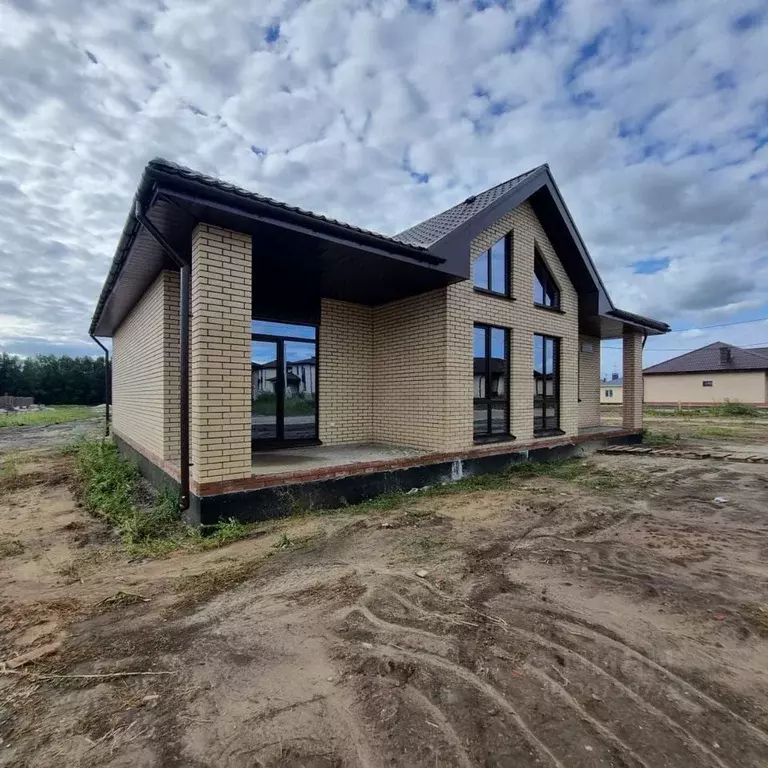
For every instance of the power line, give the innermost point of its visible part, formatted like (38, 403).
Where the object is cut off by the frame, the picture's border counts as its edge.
(719, 325)
(691, 349)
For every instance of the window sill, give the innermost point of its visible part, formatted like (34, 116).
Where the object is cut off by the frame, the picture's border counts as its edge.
(493, 439)
(556, 310)
(494, 294)
(549, 433)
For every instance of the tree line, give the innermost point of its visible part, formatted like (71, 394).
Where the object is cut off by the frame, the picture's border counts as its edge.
(54, 379)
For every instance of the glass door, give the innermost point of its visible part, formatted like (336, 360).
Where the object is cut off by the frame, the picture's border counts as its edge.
(283, 383)
(264, 389)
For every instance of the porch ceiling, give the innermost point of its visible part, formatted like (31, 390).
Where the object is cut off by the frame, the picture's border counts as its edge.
(297, 257)
(613, 324)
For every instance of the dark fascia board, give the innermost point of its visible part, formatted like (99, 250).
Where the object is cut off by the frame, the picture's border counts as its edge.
(228, 199)
(462, 237)
(654, 327)
(154, 181)
(128, 235)
(541, 177)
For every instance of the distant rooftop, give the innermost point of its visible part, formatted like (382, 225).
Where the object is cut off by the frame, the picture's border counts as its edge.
(718, 356)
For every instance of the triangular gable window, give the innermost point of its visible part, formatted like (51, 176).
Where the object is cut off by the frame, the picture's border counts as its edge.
(545, 290)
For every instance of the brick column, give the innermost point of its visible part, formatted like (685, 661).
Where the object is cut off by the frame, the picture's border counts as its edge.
(220, 355)
(632, 410)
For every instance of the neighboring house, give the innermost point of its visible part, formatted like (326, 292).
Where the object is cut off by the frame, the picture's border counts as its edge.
(712, 374)
(222, 277)
(300, 378)
(611, 392)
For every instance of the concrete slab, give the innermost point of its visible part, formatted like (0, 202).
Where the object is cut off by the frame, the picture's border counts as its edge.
(281, 460)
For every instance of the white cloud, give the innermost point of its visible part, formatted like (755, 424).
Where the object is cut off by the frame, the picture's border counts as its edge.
(653, 117)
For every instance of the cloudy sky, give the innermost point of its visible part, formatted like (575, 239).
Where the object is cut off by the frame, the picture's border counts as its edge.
(652, 115)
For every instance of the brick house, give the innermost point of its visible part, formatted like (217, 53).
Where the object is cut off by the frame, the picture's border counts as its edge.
(464, 343)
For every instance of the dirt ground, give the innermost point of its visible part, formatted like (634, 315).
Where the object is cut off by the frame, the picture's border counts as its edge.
(49, 435)
(562, 622)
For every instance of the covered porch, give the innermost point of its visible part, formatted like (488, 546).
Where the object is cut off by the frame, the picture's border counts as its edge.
(631, 332)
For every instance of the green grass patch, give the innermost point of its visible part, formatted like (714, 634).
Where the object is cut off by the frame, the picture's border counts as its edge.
(110, 487)
(651, 437)
(57, 415)
(580, 472)
(727, 410)
(715, 431)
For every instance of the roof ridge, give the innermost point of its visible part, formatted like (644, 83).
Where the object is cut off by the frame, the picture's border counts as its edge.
(752, 352)
(430, 228)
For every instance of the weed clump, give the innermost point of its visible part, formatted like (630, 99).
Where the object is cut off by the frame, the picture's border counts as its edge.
(110, 486)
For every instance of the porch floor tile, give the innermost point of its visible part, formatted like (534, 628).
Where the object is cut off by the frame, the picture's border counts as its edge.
(278, 461)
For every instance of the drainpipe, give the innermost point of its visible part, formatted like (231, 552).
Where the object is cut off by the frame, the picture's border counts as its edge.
(184, 273)
(107, 388)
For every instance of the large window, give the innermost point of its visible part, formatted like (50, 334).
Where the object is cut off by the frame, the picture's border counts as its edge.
(491, 272)
(283, 383)
(491, 374)
(545, 290)
(546, 384)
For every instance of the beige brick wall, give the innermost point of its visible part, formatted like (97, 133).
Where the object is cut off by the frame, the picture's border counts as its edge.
(523, 319)
(220, 355)
(345, 372)
(145, 371)
(172, 421)
(410, 352)
(589, 382)
(632, 384)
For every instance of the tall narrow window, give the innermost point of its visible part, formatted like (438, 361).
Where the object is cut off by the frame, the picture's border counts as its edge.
(545, 290)
(491, 268)
(491, 374)
(546, 384)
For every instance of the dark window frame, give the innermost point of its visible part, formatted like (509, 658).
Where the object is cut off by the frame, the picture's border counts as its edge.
(279, 440)
(543, 274)
(707, 383)
(507, 292)
(489, 436)
(546, 428)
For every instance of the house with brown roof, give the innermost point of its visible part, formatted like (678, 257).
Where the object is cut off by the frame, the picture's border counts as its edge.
(716, 373)
(468, 342)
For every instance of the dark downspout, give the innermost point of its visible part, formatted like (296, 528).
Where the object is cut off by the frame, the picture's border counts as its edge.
(107, 387)
(184, 276)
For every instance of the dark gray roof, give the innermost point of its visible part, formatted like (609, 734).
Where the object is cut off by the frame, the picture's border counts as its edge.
(174, 169)
(428, 232)
(759, 351)
(710, 358)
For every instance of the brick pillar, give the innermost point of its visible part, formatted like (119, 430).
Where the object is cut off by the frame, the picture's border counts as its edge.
(220, 355)
(632, 410)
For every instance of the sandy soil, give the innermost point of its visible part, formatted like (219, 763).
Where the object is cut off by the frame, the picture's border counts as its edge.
(48, 435)
(557, 624)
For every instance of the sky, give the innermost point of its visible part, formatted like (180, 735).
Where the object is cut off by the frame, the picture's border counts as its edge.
(653, 117)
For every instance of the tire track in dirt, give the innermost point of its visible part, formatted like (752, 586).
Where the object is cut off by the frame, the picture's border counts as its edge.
(601, 633)
(478, 683)
(681, 734)
(548, 682)
(437, 714)
(613, 638)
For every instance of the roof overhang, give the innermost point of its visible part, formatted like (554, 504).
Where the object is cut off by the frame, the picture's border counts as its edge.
(597, 314)
(296, 252)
